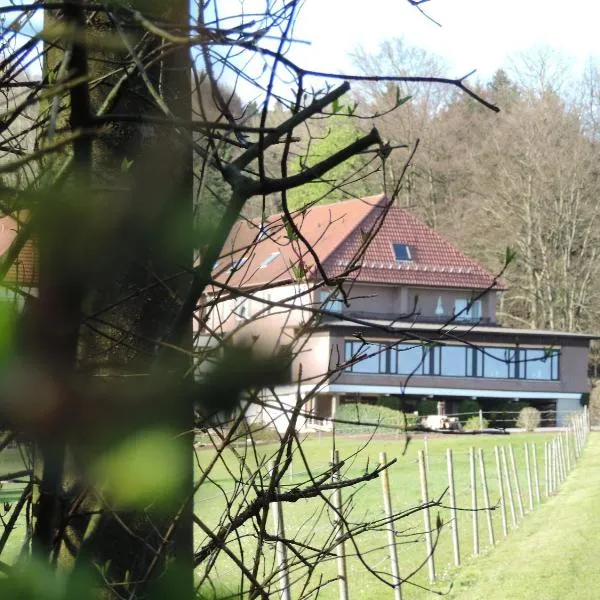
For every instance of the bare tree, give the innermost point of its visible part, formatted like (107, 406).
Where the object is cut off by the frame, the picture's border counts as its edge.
(136, 122)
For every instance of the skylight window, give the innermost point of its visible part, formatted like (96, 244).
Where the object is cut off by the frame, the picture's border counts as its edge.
(402, 252)
(238, 264)
(269, 259)
(262, 232)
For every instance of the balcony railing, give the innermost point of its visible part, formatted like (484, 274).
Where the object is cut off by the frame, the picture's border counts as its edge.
(418, 318)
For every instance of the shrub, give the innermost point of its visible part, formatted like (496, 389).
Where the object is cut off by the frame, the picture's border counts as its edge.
(427, 406)
(474, 424)
(529, 418)
(360, 414)
(468, 406)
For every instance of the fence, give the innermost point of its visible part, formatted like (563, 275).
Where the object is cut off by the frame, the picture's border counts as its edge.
(506, 419)
(521, 488)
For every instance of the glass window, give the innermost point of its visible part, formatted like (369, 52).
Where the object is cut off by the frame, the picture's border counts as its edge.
(460, 308)
(496, 362)
(467, 310)
(454, 361)
(402, 252)
(537, 364)
(269, 260)
(439, 309)
(474, 362)
(329, 302)
(431, 360)
(410, 359)
(367, 356)
(556, 365)
(238, 264)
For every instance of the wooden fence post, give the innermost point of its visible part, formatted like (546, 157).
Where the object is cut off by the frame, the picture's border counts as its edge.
(280, 547)
(529, 481)
(340, 549)
(536, 474)
(568, 450)
(547, 468)
(511, 501)
(391, 533)
(561, 454)
(453, 511)
(474, 515)
(513, 465)
(501, 490)
(552, 450)
(426, 517)
(486, 498)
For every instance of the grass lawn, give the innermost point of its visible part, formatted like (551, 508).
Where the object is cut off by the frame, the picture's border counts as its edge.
(553, 548)
(554, 555)
(310, 520)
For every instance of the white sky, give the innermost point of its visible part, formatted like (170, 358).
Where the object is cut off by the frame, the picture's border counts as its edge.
(475, 34)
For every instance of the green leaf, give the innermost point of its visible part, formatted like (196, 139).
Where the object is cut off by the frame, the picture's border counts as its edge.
(336, 106)
(126, 165)
(299, 271)
(147, 468)
(399, 99)
(292, 236)
(509, 255)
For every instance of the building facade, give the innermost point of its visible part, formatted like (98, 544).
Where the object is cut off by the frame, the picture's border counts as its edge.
(371, 302)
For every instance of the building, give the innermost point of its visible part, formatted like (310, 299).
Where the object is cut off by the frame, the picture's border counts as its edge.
(381, 306)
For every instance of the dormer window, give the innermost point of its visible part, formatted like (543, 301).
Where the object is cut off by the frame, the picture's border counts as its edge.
(402, 252)
(269, 260)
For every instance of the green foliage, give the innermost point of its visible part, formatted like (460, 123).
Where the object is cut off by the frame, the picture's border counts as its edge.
(128, 471)
(529, 418)
(474, 424)
(35, 580)
(467, 406)
(340, 133)
(364, 416)
(393, 402)
(7, 330)
(427, 406)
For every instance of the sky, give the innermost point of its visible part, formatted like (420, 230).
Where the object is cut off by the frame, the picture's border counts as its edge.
(474, 34)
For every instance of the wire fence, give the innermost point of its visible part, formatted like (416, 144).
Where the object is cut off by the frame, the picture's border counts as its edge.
(502, 488)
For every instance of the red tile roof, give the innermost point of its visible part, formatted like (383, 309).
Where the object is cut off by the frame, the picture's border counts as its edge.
(337, 233)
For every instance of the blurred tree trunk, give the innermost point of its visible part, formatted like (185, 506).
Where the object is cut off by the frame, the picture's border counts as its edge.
(117, 247)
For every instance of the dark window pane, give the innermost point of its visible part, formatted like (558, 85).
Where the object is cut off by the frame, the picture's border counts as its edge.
(402, 252)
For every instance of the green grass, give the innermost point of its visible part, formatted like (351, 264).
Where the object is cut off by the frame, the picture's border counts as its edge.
(555, 543)
(554, 554)
(309, 520)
